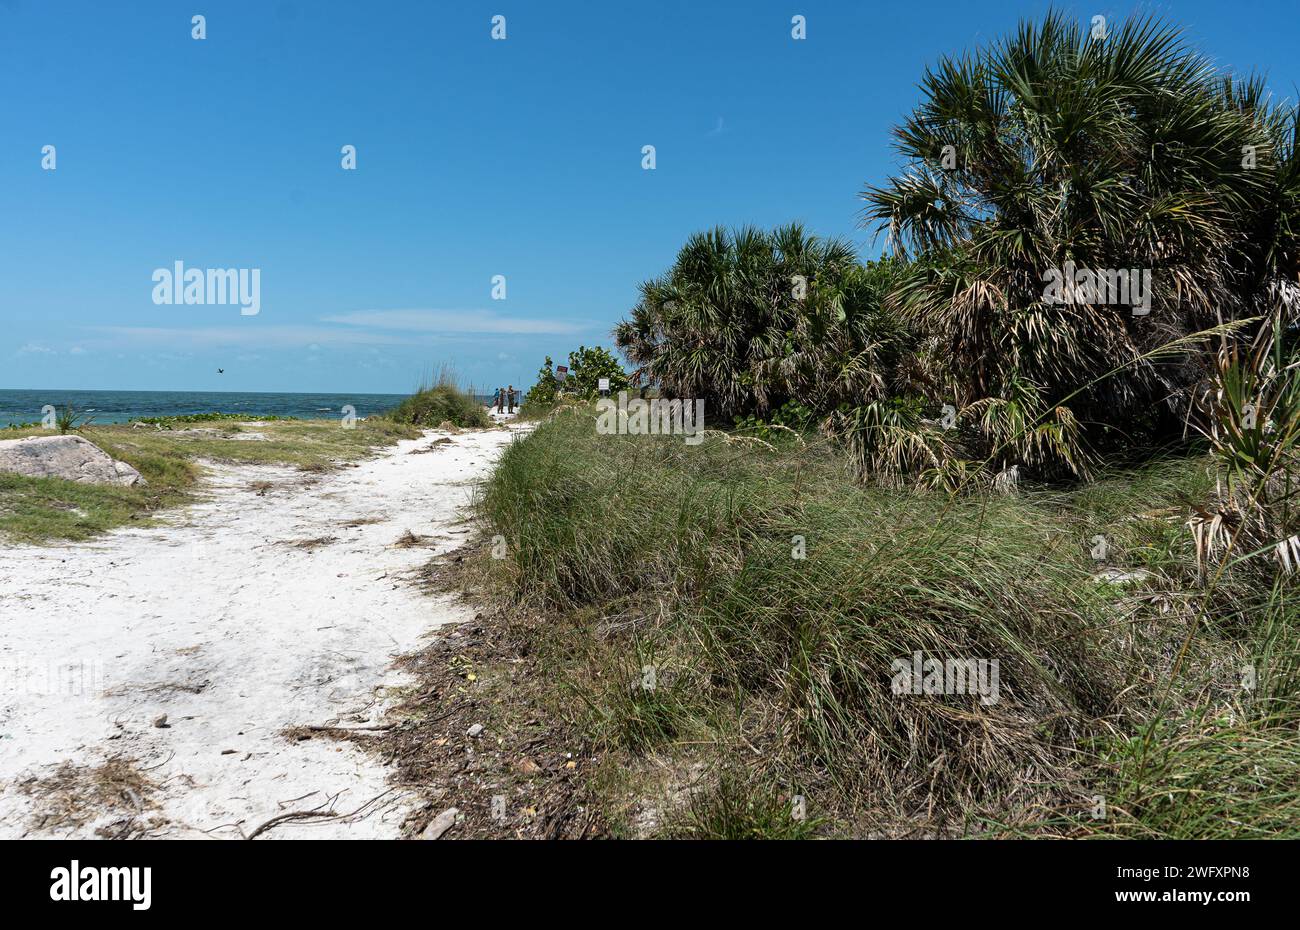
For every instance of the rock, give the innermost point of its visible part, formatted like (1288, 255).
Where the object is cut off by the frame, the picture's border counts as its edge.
(160, 722)
(69, 457)
(475, 730)
(440, 824)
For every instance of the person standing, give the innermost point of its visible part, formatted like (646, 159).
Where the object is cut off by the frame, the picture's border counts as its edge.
(496, 400)
(511, 398)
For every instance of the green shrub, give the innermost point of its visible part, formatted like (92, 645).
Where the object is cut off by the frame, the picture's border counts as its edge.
(586, 367)
(442, 402)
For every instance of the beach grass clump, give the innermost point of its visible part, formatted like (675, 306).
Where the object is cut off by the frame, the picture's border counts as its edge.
(781, 611)
(733, 807)
(441, 400)
(69, 419)
(1202, 777)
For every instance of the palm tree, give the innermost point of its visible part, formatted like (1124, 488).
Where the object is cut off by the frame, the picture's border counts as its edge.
(750, 319)
(1059, 145)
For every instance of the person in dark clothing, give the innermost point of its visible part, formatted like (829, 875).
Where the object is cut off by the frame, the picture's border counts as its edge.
(496, 400)
(511, 397)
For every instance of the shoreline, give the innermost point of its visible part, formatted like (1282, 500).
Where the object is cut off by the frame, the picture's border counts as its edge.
(22, 406)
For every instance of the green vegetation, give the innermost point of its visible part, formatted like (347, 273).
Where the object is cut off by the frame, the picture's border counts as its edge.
(214, 417)
(770, 596)
(439, 401)
(1057, 149)
(1043, 172)
(70, 420)
(1199, 778)
(734, 809)
(586, 368)
(40, 510)
(750, 320)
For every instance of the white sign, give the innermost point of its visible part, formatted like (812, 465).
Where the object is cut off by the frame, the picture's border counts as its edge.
(604, 384)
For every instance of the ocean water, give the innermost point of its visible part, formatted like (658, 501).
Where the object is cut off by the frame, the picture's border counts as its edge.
(124, 406)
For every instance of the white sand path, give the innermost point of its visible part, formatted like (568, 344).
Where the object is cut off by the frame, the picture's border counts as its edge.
(217, 621)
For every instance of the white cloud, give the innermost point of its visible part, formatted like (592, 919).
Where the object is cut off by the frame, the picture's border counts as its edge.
(457, 321)
(36, 348)
(357, 328)
(254, 336)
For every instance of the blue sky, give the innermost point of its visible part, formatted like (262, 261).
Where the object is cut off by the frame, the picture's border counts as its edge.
(475, 158)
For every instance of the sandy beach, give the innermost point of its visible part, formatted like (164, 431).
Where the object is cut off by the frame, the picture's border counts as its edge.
(147, 677)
